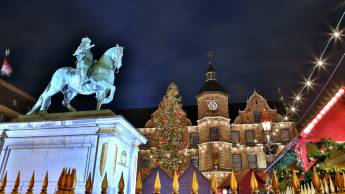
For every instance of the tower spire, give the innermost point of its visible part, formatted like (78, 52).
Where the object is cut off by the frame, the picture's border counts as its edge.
(210, 57)
(211, 73)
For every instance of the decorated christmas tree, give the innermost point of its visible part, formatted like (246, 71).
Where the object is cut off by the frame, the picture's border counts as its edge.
(170, 122)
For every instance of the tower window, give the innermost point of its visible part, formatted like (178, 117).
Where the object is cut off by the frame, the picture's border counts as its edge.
(236, 162)
(250, 136)
(194, 160)
(214, 134)
(257, 117)
(235, 137)
(252, 160)
(194, 138)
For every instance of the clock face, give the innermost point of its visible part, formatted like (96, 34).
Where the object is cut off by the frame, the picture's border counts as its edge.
(212, 105)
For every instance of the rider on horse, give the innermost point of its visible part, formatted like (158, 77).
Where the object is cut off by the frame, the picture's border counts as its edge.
(84, 58)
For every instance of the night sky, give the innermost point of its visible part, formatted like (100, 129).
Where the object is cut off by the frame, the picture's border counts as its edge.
(264, 45)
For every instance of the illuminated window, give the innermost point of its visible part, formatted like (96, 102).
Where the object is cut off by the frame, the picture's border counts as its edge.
(235, 137)
(194, 160)
(236, 162)
(194, 138)
(250, 136)
(214, 134)
(285, 136)
(252, 160)
(257, 117)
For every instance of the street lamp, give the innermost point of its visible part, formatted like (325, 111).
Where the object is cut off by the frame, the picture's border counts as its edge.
(266, 124)
(270, 148)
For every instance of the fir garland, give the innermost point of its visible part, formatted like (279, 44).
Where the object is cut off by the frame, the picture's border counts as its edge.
(325, 148)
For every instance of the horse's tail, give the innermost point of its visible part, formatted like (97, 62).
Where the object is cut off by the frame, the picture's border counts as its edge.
(39, 101)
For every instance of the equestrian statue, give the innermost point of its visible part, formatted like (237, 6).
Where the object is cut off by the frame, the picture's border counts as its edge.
(89, 77)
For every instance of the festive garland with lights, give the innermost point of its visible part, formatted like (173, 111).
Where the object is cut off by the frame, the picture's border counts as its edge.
(325, 148)
(283, 167)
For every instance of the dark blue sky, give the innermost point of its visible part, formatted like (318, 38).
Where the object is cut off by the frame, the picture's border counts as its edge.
(257, 44)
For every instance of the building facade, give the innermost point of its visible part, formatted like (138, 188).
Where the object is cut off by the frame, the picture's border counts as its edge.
(13, 102)
(216, 144)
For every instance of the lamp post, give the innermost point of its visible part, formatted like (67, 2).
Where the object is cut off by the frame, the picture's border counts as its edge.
(270, 148)
(266, 124)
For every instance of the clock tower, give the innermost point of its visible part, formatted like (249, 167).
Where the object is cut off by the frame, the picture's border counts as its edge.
(212, 99)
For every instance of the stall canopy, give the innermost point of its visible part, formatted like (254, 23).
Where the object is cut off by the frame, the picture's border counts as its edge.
(243, 180)
(149, 180)
(186, 180)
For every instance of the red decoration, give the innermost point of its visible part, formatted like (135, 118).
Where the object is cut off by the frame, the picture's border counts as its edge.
(6, 68)
(329, 123)
(265, 116)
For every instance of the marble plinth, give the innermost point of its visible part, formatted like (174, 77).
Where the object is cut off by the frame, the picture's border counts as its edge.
(95, 142)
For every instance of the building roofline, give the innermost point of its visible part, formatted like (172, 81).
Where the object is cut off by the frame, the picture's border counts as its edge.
(17, 90)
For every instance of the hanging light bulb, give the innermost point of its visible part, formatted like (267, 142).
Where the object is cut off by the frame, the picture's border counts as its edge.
(320, 63)
(336, 34)
(293, 109)
(298, 98)
(308, 83)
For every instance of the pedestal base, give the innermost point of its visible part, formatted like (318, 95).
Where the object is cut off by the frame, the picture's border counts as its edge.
(93, 142)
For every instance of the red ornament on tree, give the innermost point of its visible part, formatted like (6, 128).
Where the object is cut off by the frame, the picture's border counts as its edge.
(6, 68)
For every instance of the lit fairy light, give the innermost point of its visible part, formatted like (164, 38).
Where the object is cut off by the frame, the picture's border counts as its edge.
(293, 109)
(286, 118)
(298, 98)
(308, 83)
(320, 63)
(336, 34)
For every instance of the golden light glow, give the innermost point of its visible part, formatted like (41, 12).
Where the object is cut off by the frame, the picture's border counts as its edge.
(293, 109)
(336, 34)
(298, 98)
(320, 63)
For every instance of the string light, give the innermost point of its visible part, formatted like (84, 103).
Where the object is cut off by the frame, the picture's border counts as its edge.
(336, 34)
(298, 98)
(308, 83)
(319, 63)
(293, 109)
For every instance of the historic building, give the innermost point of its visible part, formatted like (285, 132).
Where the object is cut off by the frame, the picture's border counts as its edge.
(216, 143)
(13, 101)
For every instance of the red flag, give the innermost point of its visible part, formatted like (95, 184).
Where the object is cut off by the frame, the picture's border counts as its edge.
(6, 68)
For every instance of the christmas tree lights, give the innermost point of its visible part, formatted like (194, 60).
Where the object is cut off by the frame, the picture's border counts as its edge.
(170, 122)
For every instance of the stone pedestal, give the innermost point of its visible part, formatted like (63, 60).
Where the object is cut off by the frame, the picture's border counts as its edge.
(95, 142)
